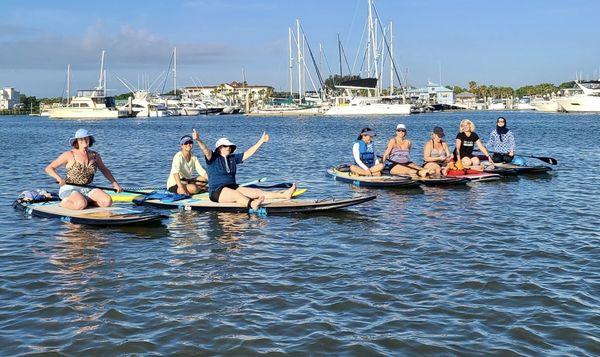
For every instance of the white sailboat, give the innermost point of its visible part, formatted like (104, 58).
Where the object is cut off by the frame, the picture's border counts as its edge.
(89, 104)
(353, 102)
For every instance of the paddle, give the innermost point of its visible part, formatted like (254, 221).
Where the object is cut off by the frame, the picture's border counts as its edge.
(548, 160)
(107, 188)
(278, 185)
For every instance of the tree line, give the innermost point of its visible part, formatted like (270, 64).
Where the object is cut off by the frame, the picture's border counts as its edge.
(492, 91)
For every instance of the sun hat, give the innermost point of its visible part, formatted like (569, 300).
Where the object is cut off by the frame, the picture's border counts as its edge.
(225, 142)
(438, 131)
(184, 139)
(80, 134)
(400, 127)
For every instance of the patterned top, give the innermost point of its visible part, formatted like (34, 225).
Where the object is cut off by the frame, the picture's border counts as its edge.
(82, 174)
(503, 146)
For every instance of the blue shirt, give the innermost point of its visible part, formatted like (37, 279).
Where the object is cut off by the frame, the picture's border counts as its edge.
(221, 171)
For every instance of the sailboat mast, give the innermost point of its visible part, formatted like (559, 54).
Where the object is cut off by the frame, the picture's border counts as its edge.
(369, 39)
(101, 70)
(299, 51)
(68, 83)
(291, 63)
(104, 83)
(391, 59)
(175, 70)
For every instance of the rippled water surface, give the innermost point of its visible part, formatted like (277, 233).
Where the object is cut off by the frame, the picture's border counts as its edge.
(495, 268)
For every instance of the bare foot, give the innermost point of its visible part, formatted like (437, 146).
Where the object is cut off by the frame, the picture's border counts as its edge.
(255, 204)
(423, 173)
(290, 191)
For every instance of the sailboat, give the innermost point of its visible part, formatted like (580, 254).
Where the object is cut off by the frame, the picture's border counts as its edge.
(354, 102)
(89, 103)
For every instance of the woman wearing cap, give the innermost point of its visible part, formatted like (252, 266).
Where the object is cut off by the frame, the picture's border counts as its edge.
(221, 165)
(397, 156)
(81, 164)
(437, 153)
(502, 142)
(466, 140)
(363, 151)
(184, 163)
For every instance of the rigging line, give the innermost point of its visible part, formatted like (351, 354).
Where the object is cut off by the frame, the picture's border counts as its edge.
(345, 58)
(312, 57)
(387, 45)
(358, 49)
(162, 91)
(155, 80)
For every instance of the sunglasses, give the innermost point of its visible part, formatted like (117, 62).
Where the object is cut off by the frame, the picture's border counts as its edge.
(188, 143)
(404, 130)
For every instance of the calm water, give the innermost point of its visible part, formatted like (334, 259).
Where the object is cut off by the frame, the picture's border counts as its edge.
(496, 268)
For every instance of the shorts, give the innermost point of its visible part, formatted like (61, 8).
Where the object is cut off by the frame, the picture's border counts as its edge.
(172, 189)
(214, 196)
(498, 157)
(66, 190)
(389, 165)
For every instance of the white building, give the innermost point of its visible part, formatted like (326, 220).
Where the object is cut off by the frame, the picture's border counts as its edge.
(432, 94)
(233, 92)
(9, 98)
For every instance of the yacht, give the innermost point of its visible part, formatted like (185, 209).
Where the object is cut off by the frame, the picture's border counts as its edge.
(352, 104)
(587, 101)
(89, 104)
(143, 106)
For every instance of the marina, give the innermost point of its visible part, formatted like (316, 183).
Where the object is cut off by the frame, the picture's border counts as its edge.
(366, 178)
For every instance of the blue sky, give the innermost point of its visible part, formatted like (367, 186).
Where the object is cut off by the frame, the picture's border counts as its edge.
(492, 42)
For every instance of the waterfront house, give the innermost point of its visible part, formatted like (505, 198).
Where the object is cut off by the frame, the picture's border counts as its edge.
(432, 94)
(466, 100)
(9, 98)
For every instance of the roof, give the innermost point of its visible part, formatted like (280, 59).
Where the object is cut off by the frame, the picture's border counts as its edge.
(465, 95)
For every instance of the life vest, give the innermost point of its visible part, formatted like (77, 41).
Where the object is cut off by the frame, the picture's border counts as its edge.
(367, 152)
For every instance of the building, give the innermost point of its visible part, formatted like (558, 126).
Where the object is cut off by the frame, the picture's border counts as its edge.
(432, 94)
(466, 100)
(235, 92)
(9, 98)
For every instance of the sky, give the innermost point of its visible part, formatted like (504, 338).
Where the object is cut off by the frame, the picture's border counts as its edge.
(504, 43)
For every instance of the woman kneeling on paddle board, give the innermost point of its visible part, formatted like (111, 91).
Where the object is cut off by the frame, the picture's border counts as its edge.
(436, 152)
(222, 167)
(363, 151)
(466, 140)
(184, 163)
(81, 164)
(502, 142)
(397, 156)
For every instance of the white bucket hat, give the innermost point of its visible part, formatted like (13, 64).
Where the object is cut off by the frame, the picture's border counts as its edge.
(80, 134)
(225, 142)
(400, 127)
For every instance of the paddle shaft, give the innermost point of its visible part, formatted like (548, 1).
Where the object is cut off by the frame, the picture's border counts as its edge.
(548, 160)
(107, 188)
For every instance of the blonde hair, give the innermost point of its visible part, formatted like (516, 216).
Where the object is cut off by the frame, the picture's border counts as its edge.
(467, 121)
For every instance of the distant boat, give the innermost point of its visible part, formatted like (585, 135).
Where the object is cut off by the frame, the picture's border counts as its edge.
(90, 104)
(588, 101)
(353, 104)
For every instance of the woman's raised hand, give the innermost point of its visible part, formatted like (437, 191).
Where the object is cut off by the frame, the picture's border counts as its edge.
(195, 134)
(265, 137)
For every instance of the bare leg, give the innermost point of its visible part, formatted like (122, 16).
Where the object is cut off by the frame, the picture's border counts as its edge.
(100, 198)
(434, 166)
(410, 169)
(228, 196)
(255, 192)
(357, 170)
(75, 201)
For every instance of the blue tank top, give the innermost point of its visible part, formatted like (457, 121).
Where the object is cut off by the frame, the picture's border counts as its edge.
(367, 152)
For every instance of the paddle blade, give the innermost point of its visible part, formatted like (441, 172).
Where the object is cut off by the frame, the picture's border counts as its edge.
(549, 160)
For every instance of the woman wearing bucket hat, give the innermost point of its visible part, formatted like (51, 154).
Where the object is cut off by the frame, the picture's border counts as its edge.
(363, 151)
(221, 165)
(81, 164)
(397, 156)
(181, 178)
(436, 152)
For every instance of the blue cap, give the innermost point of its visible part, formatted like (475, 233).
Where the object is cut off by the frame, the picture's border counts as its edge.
(184, 139)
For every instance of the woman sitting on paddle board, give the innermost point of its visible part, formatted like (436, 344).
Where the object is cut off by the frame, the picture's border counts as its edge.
(81, 164)
(466, 140)
(502, 142)
(397, 156)
(437, 153)
(184, 163)
(363, 151)
(222, 167)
